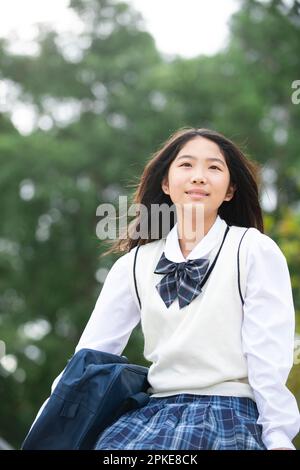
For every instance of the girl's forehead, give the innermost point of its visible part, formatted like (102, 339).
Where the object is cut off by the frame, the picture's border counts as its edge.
(199, 146)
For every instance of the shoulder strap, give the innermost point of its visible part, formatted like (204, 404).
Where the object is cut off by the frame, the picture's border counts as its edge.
(215, 260)
(134, 277)
(238, 266)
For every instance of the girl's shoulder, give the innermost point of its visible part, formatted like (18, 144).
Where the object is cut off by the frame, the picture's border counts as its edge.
(148, 247)
(126, 257)
(258, 243)
(125, 260)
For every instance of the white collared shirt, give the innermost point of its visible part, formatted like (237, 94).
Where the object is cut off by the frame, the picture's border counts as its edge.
(267, 332)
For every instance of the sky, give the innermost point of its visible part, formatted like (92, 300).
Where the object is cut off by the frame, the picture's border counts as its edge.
(185, 27)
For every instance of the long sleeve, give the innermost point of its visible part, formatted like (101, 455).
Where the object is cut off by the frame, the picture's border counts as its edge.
(268, 340)
(115, 315)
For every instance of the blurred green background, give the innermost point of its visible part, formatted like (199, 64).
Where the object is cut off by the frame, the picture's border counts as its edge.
(104, 101)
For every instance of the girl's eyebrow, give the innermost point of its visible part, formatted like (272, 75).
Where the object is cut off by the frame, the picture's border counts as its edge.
(207, 159)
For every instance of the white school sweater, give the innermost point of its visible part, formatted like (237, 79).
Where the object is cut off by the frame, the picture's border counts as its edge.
(196, 349)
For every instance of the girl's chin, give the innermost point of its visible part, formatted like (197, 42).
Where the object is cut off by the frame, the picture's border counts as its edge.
(194, 204)
(191, 208)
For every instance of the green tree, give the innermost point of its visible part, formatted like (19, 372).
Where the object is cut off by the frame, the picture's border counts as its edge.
(103, 100)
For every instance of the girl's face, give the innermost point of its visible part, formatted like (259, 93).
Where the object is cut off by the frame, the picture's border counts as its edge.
(199, 175)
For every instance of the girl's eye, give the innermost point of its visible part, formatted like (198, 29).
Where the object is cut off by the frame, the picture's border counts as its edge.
(212, 166)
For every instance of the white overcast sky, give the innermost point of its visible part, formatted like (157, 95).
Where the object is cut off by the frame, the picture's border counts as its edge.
(185, 27)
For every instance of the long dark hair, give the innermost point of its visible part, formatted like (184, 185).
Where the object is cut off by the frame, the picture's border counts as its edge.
(243, 209)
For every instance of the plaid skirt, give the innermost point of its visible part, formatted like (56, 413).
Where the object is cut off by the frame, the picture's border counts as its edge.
(186, 422)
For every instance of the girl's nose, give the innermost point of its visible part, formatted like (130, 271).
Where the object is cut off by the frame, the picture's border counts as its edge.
(198, 178)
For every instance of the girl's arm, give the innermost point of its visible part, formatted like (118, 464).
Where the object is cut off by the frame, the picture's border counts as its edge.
(268, 340)
(115, 314)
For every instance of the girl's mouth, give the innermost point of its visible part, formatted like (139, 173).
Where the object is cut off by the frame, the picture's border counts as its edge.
(197, 195)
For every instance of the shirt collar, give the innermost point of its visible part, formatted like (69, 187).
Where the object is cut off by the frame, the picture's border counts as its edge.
(209, 241)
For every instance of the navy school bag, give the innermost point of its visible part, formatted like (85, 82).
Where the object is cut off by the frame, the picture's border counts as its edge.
(94, 390)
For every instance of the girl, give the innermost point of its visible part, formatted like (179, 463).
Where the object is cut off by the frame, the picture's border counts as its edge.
(216, 308)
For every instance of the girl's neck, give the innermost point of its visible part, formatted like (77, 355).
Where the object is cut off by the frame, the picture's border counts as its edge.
(188, 239)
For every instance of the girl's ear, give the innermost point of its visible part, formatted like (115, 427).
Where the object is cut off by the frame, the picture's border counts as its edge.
(230, 192)
(165, 185)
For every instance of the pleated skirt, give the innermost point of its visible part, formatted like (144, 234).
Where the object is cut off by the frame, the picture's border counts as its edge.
(186, 422)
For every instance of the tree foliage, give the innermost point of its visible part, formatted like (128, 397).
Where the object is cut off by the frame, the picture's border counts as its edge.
(102, 101)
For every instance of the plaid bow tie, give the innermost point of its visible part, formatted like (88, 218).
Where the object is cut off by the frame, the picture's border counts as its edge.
(181, 279)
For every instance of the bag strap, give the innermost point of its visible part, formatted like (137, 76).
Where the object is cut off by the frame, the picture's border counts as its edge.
(134, 276)
(238, 266)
